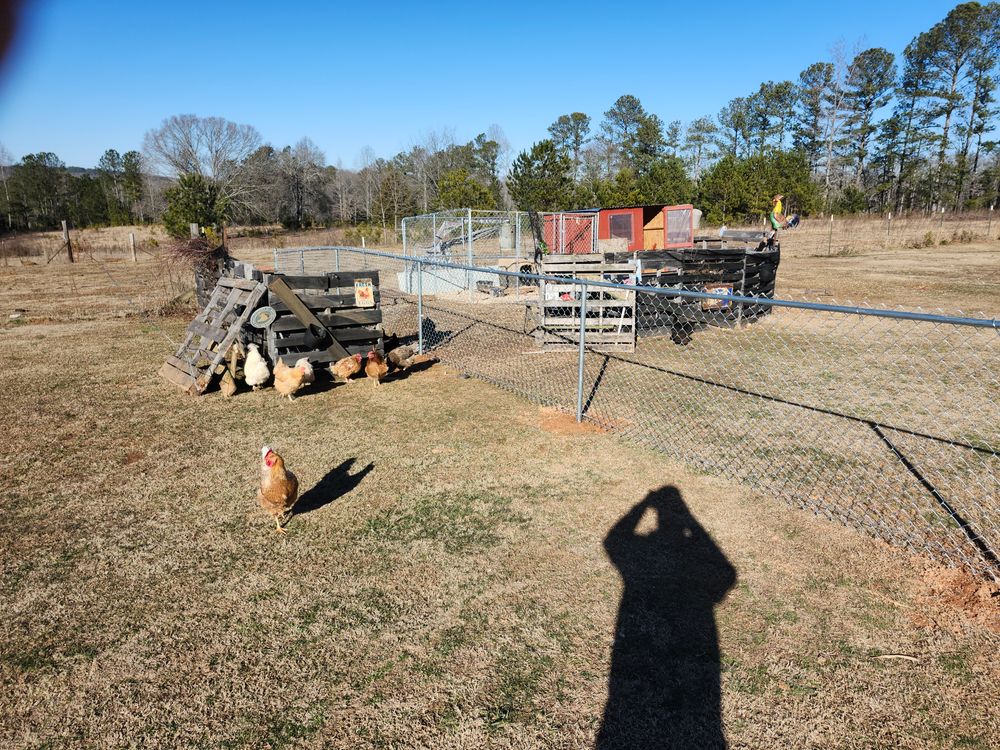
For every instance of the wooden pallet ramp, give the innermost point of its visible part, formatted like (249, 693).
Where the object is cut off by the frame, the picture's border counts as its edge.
(212, 333)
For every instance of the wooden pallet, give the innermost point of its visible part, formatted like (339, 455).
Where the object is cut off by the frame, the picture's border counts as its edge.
(329, 299)
(610, 322)
(211, 333)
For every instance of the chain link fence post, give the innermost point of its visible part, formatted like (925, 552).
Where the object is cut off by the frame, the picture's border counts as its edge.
(420, 307)
(468, 274)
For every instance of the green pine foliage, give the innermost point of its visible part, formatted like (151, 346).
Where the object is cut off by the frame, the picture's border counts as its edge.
(193, 200)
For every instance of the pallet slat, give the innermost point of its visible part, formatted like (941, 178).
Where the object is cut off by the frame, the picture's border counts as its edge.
(343, 335)
(322, 301)
(360, 316)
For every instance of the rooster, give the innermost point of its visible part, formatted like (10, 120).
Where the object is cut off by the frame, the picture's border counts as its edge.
(344, 368)
(376, 368)
(288, 380)
(255, 370)
(279, 488)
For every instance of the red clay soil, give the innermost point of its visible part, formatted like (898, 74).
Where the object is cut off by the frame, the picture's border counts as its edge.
(952, 597)
(560, 423)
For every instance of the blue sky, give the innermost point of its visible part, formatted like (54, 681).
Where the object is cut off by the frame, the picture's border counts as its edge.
(87, 76)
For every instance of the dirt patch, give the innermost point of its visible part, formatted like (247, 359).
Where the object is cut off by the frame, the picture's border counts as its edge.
(560, 423)
(953, 597)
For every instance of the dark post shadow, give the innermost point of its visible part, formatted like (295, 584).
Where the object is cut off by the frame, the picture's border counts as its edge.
(664, 684)
(337, 483)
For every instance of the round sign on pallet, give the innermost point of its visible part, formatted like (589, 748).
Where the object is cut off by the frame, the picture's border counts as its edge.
(263, 317)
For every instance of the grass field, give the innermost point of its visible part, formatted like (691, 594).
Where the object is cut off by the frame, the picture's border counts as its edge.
(465, 570)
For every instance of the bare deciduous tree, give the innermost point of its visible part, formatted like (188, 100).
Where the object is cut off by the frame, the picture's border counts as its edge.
(212, 147)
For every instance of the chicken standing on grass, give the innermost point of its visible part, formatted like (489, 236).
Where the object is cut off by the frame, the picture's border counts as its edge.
(279, 488)
(375, 368)
(344, 368)
(288, 380)
(255, 370)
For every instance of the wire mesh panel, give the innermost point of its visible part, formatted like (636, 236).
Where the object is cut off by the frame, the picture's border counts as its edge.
(884, 420)
(570, 233)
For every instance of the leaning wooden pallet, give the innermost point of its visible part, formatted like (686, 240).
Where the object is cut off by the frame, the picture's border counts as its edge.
(212, 333)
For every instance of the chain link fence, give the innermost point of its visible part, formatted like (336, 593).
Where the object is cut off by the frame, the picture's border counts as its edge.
(469, 236)
(885, 420)
(838, 236)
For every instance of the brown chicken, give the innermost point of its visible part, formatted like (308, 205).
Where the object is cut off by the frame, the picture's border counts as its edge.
(288, 380)
(401, 358)
(344, 368)
(376, 368)
(279, 488)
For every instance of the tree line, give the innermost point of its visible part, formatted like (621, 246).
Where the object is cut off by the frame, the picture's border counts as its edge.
(860, 132)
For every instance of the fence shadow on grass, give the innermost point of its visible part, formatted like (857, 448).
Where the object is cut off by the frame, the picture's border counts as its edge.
(664, 684)
(337, 483)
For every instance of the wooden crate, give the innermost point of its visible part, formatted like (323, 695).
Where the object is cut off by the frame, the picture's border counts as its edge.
(610, 322)
(330, 297)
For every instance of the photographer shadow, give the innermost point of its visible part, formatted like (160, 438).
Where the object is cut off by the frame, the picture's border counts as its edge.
(664, 683)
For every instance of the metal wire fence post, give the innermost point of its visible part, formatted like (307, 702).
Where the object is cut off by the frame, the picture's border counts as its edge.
(403, 229)
(468, 274)
(302, 261)
(420, 307)
(517, 234)
(583, 346)
(336, 252)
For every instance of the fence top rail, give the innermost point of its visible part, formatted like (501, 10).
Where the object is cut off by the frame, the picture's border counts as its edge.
(456, 213)
(993, 323)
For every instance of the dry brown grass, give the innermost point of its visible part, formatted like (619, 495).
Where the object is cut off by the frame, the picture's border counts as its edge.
(447, 587)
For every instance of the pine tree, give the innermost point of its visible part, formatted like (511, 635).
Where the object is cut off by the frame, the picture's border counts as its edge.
(807, 130)
(539, 179)
(570, 134)
(868, 88)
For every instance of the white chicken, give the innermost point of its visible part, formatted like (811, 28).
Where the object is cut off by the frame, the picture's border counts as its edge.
(307, 369)
(255, 370)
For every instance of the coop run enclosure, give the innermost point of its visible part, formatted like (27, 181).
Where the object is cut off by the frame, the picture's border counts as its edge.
(884, 420)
